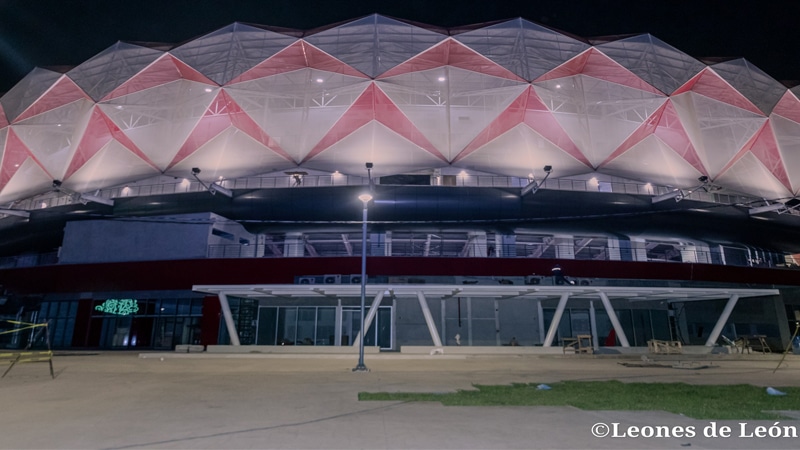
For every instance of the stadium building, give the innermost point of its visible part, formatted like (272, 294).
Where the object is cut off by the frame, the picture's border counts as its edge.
(209, 192)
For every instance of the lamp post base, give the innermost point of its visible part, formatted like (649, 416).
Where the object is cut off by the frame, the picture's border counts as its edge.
(360, 368)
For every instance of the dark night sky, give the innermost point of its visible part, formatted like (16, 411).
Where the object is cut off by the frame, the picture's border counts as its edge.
(48, 33)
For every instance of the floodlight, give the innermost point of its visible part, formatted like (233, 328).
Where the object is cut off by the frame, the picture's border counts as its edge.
(534, 185)
(369, 165)
(212, 188)
(365, 198)
(677, 194)
(767, 208)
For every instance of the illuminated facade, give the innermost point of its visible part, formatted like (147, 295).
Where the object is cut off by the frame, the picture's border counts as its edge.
(650, 153)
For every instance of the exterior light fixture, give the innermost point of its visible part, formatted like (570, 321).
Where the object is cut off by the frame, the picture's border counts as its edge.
(83, 198)
(534, 185)
(212, 188)
(365, 199)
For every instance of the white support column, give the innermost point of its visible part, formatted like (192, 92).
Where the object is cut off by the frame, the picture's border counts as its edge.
(423, 303)
(293, 245)
(612, 316)
(593, 325)
(469, 321)
(337, 332)
(540, 319)
(226, 313)
(551, 332)
(373, 310)
(565, 247)
(723, 318)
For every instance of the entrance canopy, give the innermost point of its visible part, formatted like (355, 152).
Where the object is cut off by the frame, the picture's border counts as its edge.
(499, 292)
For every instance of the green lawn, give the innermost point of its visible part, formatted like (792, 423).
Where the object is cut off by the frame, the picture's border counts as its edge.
(716, 402)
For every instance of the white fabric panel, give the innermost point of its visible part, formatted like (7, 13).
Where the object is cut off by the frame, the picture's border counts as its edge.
(298, 108)
(159, 120)
(52, 136)
(112, 67)
(717, 130)
(374, 44)
(231, 154)
(29, 180)
(787, 134)
(520, 152)
(661, 65)
(228, 52)
(653, 161)
(389, 152)
(596, 114)
(475, 100)
(749, 175)
(113, 164)
(24, 93)
(524, 48)
(761, 89)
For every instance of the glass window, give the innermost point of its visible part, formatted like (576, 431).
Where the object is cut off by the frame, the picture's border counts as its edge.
(326, 326)
(287, 326)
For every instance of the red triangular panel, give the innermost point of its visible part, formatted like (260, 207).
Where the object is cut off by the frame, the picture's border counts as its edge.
(664, 124)
(595, 64)
(373, 104)
(764, 147)
(528, 109)
(100, 130)
(297, 56)
(453, 53)
(14, 155)
(711, 85)
(63, 92)
(789, 107)
(162, 71)
(220, 115)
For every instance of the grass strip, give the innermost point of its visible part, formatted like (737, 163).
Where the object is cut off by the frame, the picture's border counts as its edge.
(709, 402)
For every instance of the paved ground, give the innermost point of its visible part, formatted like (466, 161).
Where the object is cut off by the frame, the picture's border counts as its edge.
(124, 401)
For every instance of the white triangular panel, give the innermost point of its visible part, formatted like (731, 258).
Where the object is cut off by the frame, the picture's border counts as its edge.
(520, 152)
(297, 108)
(231, 154)
(653, 161)
(29, 180)
(469, 99)
(596, 114)
(389, 152)
(160, 119)
(113, 164)
(717, 130)
(787, 134)
(749, 175)
(51, 136)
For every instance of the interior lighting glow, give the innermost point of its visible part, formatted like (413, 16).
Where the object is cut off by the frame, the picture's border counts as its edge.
(207, 89)
(441, 78)
(126, 190)
(43, 205)
(320, 80)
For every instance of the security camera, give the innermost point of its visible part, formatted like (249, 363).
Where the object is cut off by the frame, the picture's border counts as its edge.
(195, 170)
(369, 165)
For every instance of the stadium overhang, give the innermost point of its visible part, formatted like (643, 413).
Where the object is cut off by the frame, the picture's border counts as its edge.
(422, 292)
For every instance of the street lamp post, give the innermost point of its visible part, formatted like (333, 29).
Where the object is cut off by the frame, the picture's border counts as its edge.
(365, 198)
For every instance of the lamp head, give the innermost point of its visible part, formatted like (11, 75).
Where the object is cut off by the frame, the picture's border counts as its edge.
(369, 165)
(703, 179)
(548, 169)
(56, 183)
(195, 170)
(365, 198)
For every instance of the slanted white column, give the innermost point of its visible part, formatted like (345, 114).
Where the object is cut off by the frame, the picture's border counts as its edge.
(551, 332)
(723, 318)
(612, 316)
(593, 325)
(423, 304)
(373, 310)
(226, 313)
(540, 319)
(337, 332)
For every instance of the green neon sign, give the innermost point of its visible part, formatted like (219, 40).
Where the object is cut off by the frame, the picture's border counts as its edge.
(120, 307)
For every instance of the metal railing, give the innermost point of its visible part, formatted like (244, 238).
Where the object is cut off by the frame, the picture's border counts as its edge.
(183, 186)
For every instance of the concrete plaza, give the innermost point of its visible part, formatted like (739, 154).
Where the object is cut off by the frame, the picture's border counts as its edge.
(122, 400)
